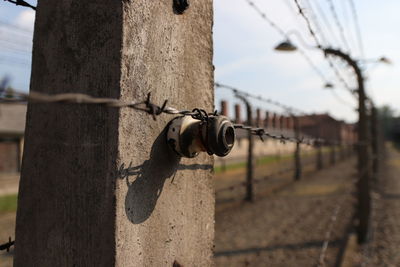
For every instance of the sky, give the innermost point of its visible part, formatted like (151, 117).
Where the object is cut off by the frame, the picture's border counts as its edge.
(244, 55)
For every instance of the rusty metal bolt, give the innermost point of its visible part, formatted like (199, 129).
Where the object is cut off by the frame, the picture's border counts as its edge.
(188, 136)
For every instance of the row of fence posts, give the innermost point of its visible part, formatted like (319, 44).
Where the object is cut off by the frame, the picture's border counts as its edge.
(294, 125)
(368, 146)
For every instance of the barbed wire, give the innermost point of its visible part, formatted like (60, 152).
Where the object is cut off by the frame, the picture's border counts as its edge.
(290, 110)
(267, 19)
(357, 26)
(6, 246)
(145, 106)
(315, 20)
(21, 3)
(287, 108)
(338, 24)
(261, 132)
(285, 35)
(338, 75)
(319, 46)
(308, 22)
(325, 20)
(77, 98)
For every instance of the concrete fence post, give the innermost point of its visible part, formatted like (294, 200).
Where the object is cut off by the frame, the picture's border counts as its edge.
(100, 186)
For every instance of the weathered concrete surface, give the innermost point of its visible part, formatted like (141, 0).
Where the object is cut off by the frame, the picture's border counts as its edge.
(74, 208)
(165, 212)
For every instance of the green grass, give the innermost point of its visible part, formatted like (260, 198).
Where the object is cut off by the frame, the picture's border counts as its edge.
(259, 161)
(270, 159)
(266, 160)
(8, 203)
(230, 167)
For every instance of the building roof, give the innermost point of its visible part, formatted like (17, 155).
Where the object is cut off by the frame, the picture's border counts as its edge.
(12, 120)
(313, 119)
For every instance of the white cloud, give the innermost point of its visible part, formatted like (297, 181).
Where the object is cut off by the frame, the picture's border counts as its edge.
(26, 19)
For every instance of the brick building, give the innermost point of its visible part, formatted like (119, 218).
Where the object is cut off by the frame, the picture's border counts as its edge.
(325, 127)
(12, 126)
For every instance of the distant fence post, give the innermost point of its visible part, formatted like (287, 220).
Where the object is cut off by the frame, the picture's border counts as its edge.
(297, 159)
(333, 153)
(266, 120)
(274, 121)
(258, 118)
(318, 155)
(374, 141)
(342, 148)
(249, 170)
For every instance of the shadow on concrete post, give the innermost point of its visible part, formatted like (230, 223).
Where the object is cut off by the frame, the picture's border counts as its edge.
(147, 186)
(146, 181)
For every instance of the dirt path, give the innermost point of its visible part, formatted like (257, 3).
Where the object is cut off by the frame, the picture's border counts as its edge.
(7, 229)
(9, 184)
(289, 228)
(384, 247)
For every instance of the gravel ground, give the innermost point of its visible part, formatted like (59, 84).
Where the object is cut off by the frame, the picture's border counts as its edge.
(384, 246)
(270, 177)
(288, 228)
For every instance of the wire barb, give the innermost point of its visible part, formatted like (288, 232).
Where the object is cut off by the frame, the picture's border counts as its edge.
(319, 46)
(153, 109)
(236, 91)
(76, 98)
(338, 24)
(261, 132)
(21, 3)
(286, 36)
(6, 246)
